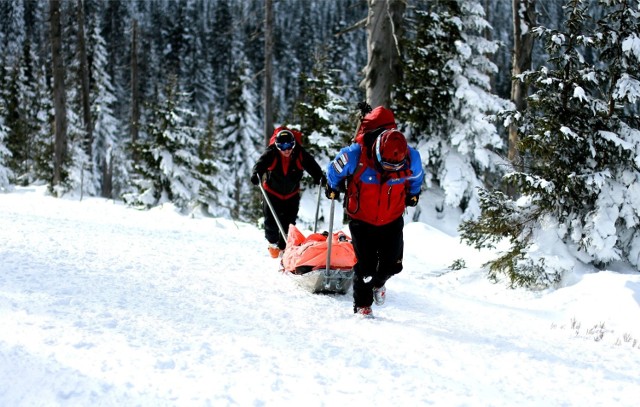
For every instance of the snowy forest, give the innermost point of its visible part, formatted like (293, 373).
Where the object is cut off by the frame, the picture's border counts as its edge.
(526, 112)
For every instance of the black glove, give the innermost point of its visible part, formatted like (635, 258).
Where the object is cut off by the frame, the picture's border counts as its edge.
(412, 200)
(255, 178)
(320, 181)
(331, 193)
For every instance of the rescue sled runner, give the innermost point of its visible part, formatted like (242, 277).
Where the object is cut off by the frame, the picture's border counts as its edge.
(305, 259)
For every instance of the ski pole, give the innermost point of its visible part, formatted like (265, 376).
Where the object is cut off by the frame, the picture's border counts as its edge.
(315, 225)
(330, 237)
(273, 211)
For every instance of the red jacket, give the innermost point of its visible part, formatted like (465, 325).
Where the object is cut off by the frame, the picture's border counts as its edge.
(376, 197)
(283, 178)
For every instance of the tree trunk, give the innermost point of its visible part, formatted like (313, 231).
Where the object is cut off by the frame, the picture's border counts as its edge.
(107, 176)
(268, 70)
(135, 98)
(524, 18)
(59, 98)
(84, 80)
(383, 65)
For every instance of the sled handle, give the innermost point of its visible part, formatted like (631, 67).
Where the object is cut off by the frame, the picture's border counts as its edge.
(330, 237)
(315, 225)
(273, 211)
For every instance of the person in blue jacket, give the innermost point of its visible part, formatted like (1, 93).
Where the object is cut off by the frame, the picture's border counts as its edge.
(383, 176)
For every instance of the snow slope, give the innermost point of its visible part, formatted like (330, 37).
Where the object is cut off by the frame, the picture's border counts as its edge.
(101, 305)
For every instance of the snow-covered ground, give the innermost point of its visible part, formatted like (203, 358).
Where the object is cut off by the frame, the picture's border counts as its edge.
(101, 305)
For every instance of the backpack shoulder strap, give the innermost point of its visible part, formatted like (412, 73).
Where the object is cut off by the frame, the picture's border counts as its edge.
(297, 157)
(274, 161)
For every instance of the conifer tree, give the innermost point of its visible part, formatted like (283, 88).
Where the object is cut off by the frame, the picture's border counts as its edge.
(241, 140)
(14, 89)
(34, 100)
(168, 161)
(81, 177)
(15, 34)
(116, 23)
(580, 183)
(17, 120)
(220, 37)
(42, 127)
(207, 169)
(445, 98)
(323, 114)
(106, 149)
(79, 174)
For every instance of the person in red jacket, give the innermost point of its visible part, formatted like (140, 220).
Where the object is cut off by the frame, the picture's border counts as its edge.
(280, 168)
(383, 176)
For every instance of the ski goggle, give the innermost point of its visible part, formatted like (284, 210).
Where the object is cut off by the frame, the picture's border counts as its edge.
(286, 145)
(389, 166)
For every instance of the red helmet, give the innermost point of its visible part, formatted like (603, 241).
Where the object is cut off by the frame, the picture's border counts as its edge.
(391, 150)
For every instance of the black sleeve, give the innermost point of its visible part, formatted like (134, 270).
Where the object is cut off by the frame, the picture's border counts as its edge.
(264, 162)
(310, 165)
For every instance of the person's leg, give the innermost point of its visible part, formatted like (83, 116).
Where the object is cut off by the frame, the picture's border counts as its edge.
(288, 214)
(390, 251)
(364, 245)
(271, 231)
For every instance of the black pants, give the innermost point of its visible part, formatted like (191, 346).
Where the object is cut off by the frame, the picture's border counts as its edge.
(287, 211)
(379, 251)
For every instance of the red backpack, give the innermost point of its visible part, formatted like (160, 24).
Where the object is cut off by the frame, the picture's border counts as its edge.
(373, 123)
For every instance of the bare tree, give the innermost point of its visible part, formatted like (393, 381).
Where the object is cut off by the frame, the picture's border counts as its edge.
(268, 70)
(383, 64)
(59, 98)
(524, 18)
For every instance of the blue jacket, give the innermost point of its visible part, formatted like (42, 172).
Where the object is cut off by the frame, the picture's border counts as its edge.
(373, 195)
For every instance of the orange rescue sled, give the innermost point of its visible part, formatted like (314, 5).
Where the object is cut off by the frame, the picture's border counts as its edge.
(305, 258)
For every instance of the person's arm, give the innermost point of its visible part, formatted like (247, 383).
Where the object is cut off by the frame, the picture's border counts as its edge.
(263, 163)
(417, 173)
(311, 166)
(343, 165)
(261, 166)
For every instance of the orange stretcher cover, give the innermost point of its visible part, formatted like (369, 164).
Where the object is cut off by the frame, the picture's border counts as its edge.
(310, 253)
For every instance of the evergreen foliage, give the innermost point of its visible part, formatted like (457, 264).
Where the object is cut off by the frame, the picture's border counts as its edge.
(445, 98)
(42, 127)
(168, 159)
(434, 33)
(220, 37)
(241, 142)
(582, 151)
(207, 171)
(323, 114)
(106, 149)
(16, 94)
(195, 41)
